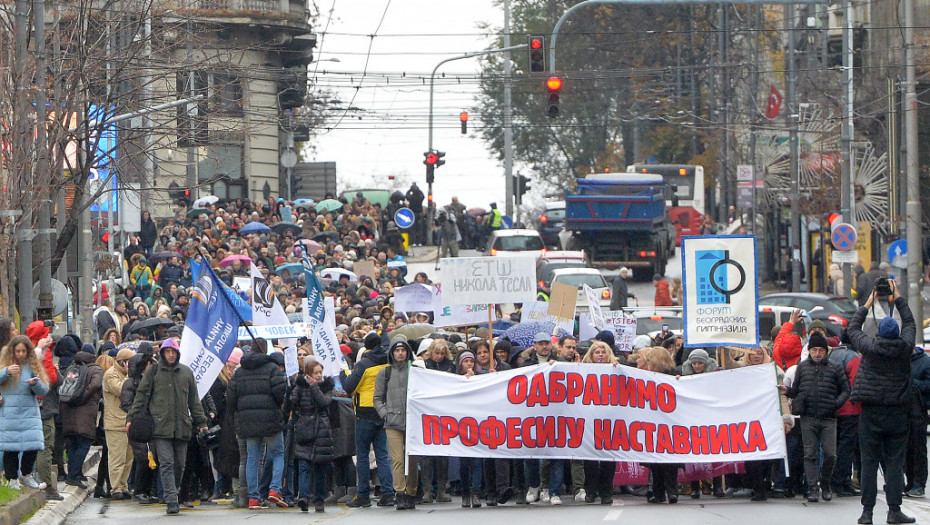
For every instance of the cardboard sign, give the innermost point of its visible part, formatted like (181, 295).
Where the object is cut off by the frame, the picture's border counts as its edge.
(488, 280)
(562, 300)
(365, 268)
(622, 325)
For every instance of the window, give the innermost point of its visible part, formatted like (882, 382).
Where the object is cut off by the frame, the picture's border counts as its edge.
(222, 94)
(226, 94)
(518, 243)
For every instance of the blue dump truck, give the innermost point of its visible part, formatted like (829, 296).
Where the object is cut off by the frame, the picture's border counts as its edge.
(620, 219)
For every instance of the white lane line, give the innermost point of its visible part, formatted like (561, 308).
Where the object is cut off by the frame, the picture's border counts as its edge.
(613, 515)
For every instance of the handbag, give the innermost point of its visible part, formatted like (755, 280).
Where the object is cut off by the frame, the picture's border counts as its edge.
(142, 429)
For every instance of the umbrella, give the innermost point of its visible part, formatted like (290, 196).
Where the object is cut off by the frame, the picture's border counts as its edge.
(328, 205)
(254, 227)
(523, 333)
(195, 212)
(205, 201)
(476, 211)
(312, 246)
(414, 330)
(325, 236)
(502, 325)
(235, 257)
(159, 256)
(131, 345)
(307, 204)
(293, 268)
(151, 322)
(304, 201)
(283, 227)
(334, 273)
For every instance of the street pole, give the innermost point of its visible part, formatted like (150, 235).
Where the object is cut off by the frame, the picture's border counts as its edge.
(25, 231)
(847, 189)
(43, 167)
(794, 239)
(912, 207)
(508, 117)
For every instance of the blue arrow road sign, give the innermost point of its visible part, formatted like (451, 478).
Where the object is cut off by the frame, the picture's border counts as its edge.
(404, 218)
(897, 253)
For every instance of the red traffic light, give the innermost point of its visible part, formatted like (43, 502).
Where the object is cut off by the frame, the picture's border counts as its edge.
(431, 159)
(463, 116)
(536, 43)
(554, 83)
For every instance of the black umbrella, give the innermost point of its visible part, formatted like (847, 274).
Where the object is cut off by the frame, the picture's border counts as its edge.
(151, 322)
(282, 227)
(324, 237)
(159, 256)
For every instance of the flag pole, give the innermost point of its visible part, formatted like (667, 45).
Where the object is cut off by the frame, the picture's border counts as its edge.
(205, 264)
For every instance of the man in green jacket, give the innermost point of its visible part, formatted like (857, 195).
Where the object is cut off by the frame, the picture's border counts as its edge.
(169, 391)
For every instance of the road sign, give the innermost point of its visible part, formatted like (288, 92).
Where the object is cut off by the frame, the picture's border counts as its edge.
(506, 222)
(843, 237)
(404, 218)
(897, 253)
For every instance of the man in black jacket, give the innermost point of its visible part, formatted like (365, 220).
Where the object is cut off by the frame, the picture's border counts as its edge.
(915, 464)
(819, 389)
(883, 387)
(256, 395)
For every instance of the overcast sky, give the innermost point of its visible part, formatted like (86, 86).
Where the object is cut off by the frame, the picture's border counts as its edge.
(384, 131)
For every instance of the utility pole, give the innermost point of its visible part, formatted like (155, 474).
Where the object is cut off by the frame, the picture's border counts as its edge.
(508, 117)
(43, 167)
(847, 133)
(794, 238)
(912, 207)
(22, 189)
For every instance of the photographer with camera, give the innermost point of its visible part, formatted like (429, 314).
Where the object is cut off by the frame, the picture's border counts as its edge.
(448, 235)
(883, 387)
(881, 307)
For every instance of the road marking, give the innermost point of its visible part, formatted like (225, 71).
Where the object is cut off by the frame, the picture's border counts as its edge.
(613, 515)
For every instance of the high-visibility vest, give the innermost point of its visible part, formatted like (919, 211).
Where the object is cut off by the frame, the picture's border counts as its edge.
(496, 218)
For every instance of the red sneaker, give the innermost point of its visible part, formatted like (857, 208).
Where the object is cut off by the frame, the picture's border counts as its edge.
(255, 504)
(275, 498)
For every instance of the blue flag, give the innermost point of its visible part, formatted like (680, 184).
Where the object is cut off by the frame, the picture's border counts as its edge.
(314, 289)
(210, 330)
(242, 306)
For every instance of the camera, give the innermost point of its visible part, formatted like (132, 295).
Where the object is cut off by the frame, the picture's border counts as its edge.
(882, 287)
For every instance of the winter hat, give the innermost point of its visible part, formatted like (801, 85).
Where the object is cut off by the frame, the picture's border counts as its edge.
(817, 340)
(465, 355)
(346, 349)
(817, 323)
(277, 358)
(888, 328)
(170, 343)
(235, 356)
(541, 337)
(36, 331)
(124, 354)
(606, 336)
(372, 340)
(89, 348)
(699, 355)
(107, 347)
(424, 346)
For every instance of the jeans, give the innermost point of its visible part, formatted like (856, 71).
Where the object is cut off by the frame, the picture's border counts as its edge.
(274, 453)
(13, 466)
(77, 448)
(437, 466)
(370, 433)
(471, 475)
(915, 465)
(883, 435)
(172, 454)
(847, 439)
(819, 434)
(313, 478)
(531, 469)
(496, 477)
(556, 476)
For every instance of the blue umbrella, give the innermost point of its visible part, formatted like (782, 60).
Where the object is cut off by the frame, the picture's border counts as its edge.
(523, 333)
(295, 269)
(502, 324)
(254, 227)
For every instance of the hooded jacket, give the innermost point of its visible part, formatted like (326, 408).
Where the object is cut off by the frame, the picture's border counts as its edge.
(920, 377)
(170, 392)
(256, 396)
(81, 420)
(360, 384)
(819, 389)
(663, 295)
(390, 397)
(114, 417)
(311, 406)
(20, 422)
(36, 331)
(885, 370)
(137, 364)
(788, 347)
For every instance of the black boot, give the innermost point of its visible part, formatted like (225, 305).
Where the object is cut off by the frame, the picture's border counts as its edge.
(401, 501)
(466, 499)
(896, 516)
(411, 502)
(866, 517)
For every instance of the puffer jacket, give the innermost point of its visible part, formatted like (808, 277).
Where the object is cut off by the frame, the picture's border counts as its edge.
(311, 405)
(818, 389)
(170, 392)
(446, 365)
(256, 395)
(884, 376)
(127, 394)
(788, 347)
(20, 421)
(81, 420)
(391, 393)
(114, 417)
(360, 384)
(920, 377)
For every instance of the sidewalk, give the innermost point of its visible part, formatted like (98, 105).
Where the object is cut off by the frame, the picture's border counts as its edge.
(56, 512)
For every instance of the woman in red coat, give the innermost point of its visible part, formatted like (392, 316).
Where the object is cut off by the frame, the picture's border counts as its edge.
(663, 296)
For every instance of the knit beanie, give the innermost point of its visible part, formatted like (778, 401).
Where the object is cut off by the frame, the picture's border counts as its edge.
(817, 340)
(888, 328)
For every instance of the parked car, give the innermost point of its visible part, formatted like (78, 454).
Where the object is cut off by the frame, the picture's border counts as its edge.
(551, 223)
(772, 316)
(651, 322)
(553, 260)
(581, 276)
(513, 242)
(833, 310)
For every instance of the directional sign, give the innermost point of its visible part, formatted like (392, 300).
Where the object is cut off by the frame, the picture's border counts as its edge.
(897, 253)
(506, 222)
(843, 237)
(404, 218)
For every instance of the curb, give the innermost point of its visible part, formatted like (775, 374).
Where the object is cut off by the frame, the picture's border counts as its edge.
(26, 503)
(56, 512)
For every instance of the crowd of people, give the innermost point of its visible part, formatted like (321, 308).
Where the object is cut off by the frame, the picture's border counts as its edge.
(264, 438)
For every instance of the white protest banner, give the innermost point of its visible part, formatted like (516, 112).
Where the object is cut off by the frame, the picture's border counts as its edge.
(242, 284)
(273, 331)
(456, 315)
(488, 280)
(416, 297)
(621, 324)
(539, 311)
(266, 309)
(291, 364)
(721, 290)
(323, 338)
(597, 412)
(594, 307)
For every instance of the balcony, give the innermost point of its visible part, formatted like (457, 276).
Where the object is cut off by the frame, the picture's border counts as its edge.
(292, 12)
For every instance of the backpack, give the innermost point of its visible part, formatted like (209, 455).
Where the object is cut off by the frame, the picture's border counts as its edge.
(71, 391)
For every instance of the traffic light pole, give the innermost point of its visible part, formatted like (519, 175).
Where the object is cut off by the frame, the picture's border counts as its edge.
(432, 79)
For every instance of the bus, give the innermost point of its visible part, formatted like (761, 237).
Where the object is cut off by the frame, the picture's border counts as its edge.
(686, 209)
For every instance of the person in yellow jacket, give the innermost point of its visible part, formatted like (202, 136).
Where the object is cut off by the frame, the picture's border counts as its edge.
(114, 424)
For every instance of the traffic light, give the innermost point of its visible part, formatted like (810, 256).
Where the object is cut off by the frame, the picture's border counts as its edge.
(463, 117)
(439, 156)
(553, 86)
(522, 184)
(297, 179)
(430, 158)
(537, 52)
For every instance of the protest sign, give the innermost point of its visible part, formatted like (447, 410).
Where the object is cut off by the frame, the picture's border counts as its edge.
(596, 412)
(272, 331)
(416, 297)
(539, 311)
(291, 363)
(632, 473)
(323, 338)
(365, 268)
(242, 284)
(456, 315)
(622, 325)
(720, 290)
(594, 307)
(562, 300)
(488, 280)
